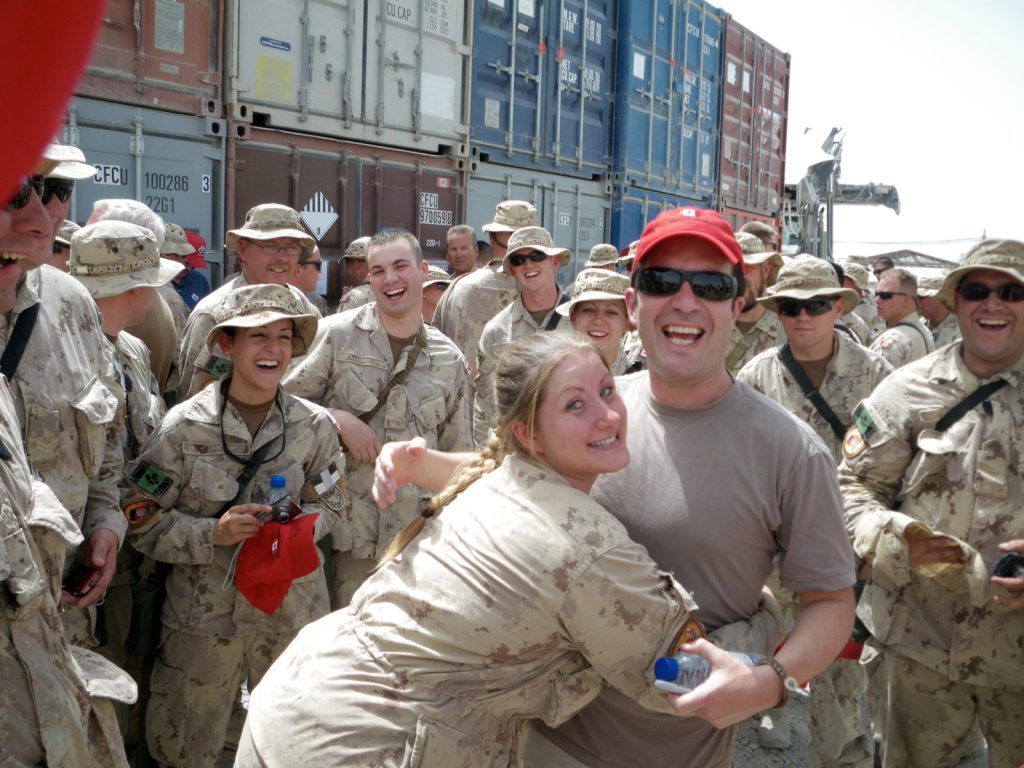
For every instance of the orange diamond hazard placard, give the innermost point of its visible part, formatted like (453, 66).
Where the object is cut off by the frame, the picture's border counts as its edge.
(319, 215)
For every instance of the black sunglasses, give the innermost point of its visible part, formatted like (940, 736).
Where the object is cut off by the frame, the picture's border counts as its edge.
(819, 305)
(662, 281)
(317, 265)
(23, 194)
(520, 258)
(59, 188)
(886, 295)
(1011, 293)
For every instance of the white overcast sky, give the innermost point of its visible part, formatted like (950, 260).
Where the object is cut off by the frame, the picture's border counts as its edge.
(930, 95)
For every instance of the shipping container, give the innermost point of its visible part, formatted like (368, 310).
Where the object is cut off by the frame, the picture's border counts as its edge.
(737, 217)
(343, 190)
(634, 207)
(173, 163)
(668, 97)
(755, 104)
(574, 211)
(159, 54)
(390, 72)
(542, 84)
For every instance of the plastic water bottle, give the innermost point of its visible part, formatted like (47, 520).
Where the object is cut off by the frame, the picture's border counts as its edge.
(277, 491)
(685, 671)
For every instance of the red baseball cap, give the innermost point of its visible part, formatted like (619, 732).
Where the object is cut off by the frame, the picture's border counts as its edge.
(196, 260)
(273, 558)
(690, 222)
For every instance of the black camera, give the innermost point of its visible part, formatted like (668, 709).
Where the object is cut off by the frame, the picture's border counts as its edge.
(1009, 566)
(283, 510)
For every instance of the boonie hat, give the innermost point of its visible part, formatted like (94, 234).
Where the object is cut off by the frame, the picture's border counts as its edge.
(754, 253)
(690, 222)
(357, 249)
(69, 162)
(929, 285)
(175, 242)
(602, 255)
(595, 285)
(254, 305)
(629, 253)
(196, 260)
(510, 215)
(534, 239)
(67, 229)
(858, 273)
(1006, 256)
(267, 221)
(436, 275)
(807, 277)
(111, 257)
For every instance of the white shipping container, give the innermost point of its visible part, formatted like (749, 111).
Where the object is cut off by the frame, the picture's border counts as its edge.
(379, 71)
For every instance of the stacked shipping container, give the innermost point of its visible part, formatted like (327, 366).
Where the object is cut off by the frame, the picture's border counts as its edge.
(370, 113)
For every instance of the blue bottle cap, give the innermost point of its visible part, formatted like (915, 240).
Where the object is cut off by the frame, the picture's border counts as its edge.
(277, 481)
(666, 668)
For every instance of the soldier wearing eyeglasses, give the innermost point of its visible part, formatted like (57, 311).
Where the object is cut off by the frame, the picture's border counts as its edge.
(819, 360)
(533, 260)
(269, 246)
(756, 328)
(906, 337)
(944, 433)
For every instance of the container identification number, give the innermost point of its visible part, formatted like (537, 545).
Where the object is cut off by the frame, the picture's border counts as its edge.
(166, 182)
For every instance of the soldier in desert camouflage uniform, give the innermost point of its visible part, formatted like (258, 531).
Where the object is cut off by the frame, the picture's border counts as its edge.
(843, 373)
(941, 322)
(471, 301)
(528, 597)
(757, 329)
(188, 472)
(857, 278)
(355, 268)
(945, 650)
(533, 260)
(905, 338)
(176, 247)
(356, 356)
(269, 246)
(602, 256)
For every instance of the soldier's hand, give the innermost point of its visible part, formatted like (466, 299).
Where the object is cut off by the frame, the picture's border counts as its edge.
(100, 552)
(932, 550)
(394, 468)
(1015, 585)
(238, 524)
(359, 439)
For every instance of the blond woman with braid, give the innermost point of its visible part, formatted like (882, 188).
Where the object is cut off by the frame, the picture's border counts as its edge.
(515, 597)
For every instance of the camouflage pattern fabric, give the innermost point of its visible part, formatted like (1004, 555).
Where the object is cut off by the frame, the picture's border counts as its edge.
(765, 334)
(947, 331)
(856, 323)
(904, 342)
(358, 296)
(868, 312)
(469, 304)
(504, 584)
(348, 366)
(512, 323)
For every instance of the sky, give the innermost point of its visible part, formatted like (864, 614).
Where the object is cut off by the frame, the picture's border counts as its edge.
(930, 97)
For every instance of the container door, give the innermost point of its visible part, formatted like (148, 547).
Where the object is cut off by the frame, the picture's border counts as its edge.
(633, 208)
(699, 50)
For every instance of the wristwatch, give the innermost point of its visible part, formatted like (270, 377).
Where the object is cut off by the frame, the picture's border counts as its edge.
(789, 684)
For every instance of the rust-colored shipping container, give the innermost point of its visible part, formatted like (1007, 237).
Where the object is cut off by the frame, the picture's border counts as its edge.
(755, 105)
(738, 217)
(159, 54)
(343, 190)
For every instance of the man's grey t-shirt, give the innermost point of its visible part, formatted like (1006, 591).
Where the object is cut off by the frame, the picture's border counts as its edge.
(714, 494)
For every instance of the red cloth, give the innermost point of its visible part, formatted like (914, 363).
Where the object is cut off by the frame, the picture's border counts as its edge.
(273, 558)
(41, 60)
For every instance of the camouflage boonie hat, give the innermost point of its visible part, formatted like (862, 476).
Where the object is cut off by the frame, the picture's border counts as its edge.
(755, 253)
(929, 285)
(267, 221)
(175, 242)
(254, 305)
(629, 254)
(858, 273)
(67, 162)
(595, 285)
(511, 215)
(436, 275)
(1006, 256)
(534, 239)
(807, 277)
(602, 255)
(357, 249)
(67, 229)
(111, 257)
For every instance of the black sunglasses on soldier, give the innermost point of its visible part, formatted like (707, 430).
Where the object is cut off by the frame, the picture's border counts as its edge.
(662, 281)
(59, 188)
(819, 305)
(520, 258)
(1011, 293)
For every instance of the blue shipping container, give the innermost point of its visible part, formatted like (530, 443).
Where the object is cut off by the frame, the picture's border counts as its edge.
(634, 207)
(542, 87)
(667, 106)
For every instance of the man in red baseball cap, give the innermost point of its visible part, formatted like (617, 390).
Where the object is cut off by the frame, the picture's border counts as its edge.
(721, 481)
(191, 284)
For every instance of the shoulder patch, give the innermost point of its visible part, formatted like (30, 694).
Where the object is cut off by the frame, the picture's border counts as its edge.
(150, 480)
(217, 366)
(138, 512)
(692, 630)
(862, 421)
(886, 342)
(327, 488)
(853, 443)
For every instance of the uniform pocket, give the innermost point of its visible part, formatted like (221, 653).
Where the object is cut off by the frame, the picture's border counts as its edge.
(429, 413)
(22, 580)
(355, 393)
(436, 745)
(95, 407)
